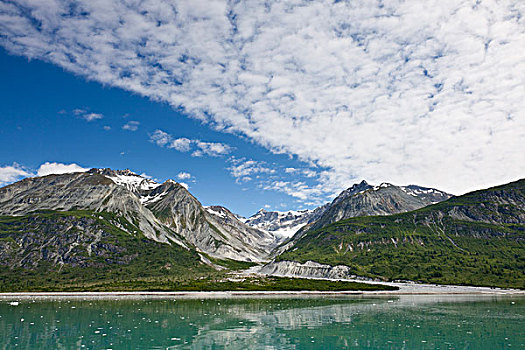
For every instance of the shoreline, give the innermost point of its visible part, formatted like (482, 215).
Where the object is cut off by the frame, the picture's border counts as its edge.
(470, 291)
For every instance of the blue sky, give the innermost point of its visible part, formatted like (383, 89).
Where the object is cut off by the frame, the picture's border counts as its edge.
(276, 103)
(41, 123)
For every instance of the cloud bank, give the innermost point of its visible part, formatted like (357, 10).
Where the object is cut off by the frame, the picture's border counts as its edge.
(12, 173)
(58, 168)
(16, 172)
(402, 91)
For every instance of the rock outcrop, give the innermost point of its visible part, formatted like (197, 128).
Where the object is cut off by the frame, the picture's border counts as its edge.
(309, 269)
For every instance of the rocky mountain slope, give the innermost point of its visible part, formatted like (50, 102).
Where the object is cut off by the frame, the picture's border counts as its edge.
(476, 239)
(361, 199)
(164, 212)
(74, 250)
(364, 200)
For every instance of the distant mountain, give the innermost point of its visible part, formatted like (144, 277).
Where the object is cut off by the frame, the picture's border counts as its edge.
(283, 223)
(364, 200)
(165, 212)
(361, 199)
(476, 239)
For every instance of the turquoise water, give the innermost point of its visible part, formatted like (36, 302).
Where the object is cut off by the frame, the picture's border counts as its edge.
(404, 322)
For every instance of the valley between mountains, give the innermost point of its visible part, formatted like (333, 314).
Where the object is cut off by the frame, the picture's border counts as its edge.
(110, 229)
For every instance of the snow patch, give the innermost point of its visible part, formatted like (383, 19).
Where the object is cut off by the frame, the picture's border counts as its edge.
(216, 213)
(418, 191)
(289, 231)
(134, 182)
(284, 224)
(383, 185)
(152, 199)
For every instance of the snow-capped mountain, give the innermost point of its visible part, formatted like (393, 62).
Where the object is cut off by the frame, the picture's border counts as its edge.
(364, 199)
(164, 212)
(133, 182)
(361, 199)
(284, 224)
(249, 235)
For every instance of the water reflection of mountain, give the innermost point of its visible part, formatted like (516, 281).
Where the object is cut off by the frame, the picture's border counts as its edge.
(373, 322)
(262, 323)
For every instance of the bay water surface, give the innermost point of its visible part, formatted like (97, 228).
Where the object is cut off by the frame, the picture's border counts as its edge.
(360, 322)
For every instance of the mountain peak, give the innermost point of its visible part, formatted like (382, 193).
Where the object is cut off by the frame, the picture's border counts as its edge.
(360, 186)
(170, 181)
(112, 172)
(126, 178)
(354, 189)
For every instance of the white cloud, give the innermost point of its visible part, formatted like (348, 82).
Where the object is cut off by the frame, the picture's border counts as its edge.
(15, 172)
(200, 148)
(314, 195)
(12, 173)
(78, 111)
(241, 169)
(160, 137)
(213, 149)
(59, 168)
(84, 114)
(309, 173)
(91, 116)
(132, 125)
(107, 127)
(183, 175)
(405, 91)
(181, 144)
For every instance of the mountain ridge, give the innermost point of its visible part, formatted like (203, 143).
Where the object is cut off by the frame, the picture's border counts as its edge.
(98, 219)
(164, 212)
(364, 200)
(476, 239)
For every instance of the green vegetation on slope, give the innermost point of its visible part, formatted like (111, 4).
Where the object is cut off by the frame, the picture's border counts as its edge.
(87, 251)
(57, 250)
(476, 239)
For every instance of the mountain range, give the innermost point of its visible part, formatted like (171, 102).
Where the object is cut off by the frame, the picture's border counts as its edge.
(109, 224)
(165, 212)
(359, 200)
(475, 239)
